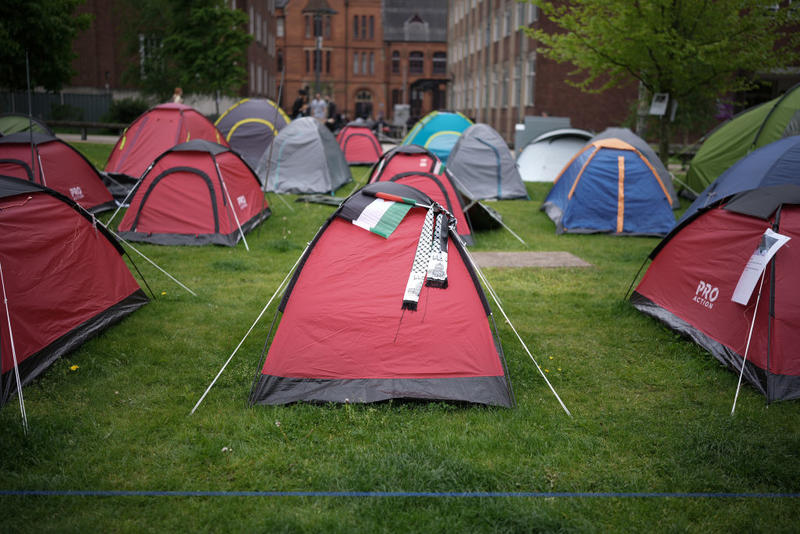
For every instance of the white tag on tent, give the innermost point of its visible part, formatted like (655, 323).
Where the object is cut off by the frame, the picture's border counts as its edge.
(767, 247)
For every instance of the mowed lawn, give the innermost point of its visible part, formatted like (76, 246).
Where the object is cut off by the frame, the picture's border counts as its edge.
(650, 413)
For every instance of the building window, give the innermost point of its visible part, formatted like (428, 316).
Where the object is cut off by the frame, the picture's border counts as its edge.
(328, 27)
(363, 26)
(363, 104)
(507, 28)
(371, 63)
(396, 62)
(371, 27)
(439, 62)
(355, 26)
(397, 97)
(504, 96)
(280, 60)
(531, 92)
(416, 62)
(363, 62)
(328, 61)
(517, 82)
(533, 13)
(308, 26)
(280, 27)
(355, 63)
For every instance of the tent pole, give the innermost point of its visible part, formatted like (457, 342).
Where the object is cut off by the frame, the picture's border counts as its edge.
(277, 106)
(263, 311)
(14, 356)
(230, 203)
(524, 346)
(30, 112)
(747, 347)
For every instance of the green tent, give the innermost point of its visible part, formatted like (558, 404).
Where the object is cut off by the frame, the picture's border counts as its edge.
(751, 129)
(15, 122)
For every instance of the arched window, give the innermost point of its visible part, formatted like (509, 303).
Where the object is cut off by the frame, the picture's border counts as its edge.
(364, 103)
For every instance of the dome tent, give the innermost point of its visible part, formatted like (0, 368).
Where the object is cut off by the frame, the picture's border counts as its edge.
(484, 167)
(610, 187)
(359, 144)
(304, 158)
(644, 148)
(774, 164)
(753, 128)
(57, 165)
(544, 157)
(54, 310)
(438, 131)
(250, 125)
(696, 269)
(154, 132)
(367, 347)
(196, 193)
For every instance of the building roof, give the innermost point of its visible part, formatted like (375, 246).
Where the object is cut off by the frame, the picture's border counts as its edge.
(415, 20)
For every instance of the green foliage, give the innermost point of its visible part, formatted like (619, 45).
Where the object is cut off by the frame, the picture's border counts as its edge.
(198, 45)
(45, 29)
(650, 412)
(695, 51)
(66, 112)
(125, 110)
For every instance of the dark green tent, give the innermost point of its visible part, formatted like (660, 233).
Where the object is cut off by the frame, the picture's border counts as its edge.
(751, 129)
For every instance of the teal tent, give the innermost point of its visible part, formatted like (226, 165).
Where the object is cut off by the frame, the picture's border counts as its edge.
(438, 131)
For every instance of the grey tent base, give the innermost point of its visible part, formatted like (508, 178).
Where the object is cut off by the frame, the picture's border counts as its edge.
(229, 240)
(772, 386)
(490, 390)
(34, 365)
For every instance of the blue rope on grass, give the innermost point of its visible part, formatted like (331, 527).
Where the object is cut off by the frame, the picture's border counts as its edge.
(385, 494)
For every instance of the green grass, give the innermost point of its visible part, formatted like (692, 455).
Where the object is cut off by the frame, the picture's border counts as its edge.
(650, 412)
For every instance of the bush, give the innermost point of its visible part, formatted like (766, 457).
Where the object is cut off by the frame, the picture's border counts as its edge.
(65, 112)
(125, 110)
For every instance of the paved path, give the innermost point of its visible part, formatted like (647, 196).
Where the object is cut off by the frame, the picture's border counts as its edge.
(528, 259)
(90, 138)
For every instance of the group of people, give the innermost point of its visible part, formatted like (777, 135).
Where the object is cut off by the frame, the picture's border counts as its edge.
(322, 109)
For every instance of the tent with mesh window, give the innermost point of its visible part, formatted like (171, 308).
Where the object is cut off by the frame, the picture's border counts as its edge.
(359, 144)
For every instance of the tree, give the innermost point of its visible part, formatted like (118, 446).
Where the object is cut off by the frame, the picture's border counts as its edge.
(696, 51)
(45, 30)
(196, 44)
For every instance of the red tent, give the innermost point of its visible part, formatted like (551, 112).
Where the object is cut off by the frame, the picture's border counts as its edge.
(405, 158)
(196, 193)
(63, 277)
(696, 268)
(347, 333)
(359, 144)
(154, 132)
(405, 165)
(55, 165)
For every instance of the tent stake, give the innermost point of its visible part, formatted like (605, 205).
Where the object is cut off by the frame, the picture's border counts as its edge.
(747, 347)
(260, 315)
(14, 356)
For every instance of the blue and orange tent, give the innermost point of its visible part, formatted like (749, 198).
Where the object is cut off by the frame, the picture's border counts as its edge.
(438, 131)
(610, 187)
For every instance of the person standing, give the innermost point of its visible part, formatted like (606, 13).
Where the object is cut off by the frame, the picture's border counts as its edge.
(319, 108)
(177, 96)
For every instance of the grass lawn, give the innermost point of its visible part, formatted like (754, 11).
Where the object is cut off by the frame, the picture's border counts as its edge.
(651, 413)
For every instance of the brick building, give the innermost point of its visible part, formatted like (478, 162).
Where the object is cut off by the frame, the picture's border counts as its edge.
(367, 55)
(498, 78)
(103, 57)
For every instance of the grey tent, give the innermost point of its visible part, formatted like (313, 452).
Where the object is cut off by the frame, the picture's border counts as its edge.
(483, 166)
(304, 158)
(647, 151)
(543, 158)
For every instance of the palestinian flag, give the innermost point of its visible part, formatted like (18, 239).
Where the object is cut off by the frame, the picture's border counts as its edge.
(380, 213)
